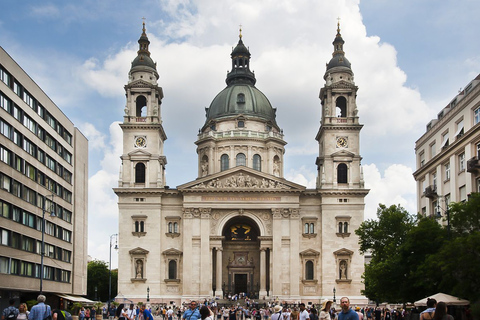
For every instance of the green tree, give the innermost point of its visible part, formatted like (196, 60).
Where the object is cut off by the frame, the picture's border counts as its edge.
(385, 274)
(98, 277)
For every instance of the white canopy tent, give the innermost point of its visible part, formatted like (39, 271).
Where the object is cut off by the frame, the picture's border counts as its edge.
(448, 299)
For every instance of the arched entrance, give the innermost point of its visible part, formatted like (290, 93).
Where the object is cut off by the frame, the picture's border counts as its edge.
(241, 257)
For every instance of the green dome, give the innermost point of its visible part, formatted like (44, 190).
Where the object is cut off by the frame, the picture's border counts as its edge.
(242, 99)
(144, 60)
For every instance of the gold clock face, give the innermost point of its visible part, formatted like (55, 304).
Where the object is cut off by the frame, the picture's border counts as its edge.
(140, 142)
(342, 142)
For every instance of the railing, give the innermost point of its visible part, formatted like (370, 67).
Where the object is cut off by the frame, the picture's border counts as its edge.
(240, 133)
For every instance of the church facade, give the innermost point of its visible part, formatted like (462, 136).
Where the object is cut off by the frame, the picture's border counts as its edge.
(240, 226)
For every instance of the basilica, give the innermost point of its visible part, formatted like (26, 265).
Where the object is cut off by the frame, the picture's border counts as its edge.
(240, 226)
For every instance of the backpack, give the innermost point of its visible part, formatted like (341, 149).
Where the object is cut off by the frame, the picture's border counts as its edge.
(12, 314)
(67, 315)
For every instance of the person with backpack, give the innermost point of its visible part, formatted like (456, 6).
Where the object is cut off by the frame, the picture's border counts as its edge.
(40, 311)
(10, 313)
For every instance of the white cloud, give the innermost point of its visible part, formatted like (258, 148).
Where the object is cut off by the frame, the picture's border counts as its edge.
(96, 139)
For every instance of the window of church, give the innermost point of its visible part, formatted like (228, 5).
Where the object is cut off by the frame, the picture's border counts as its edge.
(257, 162)
(141, 107)
(343, 223)
(309, 270)
(241, 160)
(342, 173)
(173, 226)
(309, 227)
(139, 225)
(341, 107)
(241, 98)
(172, 270)
(140, 173)
(241, 124)
(224, 162)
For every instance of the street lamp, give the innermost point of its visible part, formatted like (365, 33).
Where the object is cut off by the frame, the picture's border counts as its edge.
(115, 235)
(52, 214)
(334, 300)
(148, 294)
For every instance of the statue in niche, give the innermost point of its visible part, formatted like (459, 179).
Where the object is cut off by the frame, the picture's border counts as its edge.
(276, 168)
(343, 269)
(139, 269)
(204, 168)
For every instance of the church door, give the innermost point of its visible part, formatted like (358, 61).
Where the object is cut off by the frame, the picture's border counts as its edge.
(241, 283)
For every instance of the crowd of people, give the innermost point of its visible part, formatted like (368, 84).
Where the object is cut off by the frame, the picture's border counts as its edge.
(210, 310)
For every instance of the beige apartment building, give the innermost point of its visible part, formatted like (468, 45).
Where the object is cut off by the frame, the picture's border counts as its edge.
(43, 172)
(240, 226)
(448, 167)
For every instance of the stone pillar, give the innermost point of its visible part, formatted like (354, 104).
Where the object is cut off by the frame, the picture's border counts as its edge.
(263, 273)
(295, 264)
(205, 253)
(219, 290)
(276, 273)
(187, 251)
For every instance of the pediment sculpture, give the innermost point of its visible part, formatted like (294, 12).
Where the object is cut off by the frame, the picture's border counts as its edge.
(241, 180)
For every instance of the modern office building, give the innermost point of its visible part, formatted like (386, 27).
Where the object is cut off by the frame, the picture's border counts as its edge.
(448, 166)
(43, 173)
(240, 226)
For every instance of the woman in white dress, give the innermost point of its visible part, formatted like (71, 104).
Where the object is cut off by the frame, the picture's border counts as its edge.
(325, 311)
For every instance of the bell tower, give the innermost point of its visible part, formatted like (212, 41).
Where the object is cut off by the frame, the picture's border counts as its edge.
(143, 162)
(338, 163)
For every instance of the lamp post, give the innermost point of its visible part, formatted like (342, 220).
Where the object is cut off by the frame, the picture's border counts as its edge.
(115, 235)
(52, 214)
(334, 300)
(148, 294)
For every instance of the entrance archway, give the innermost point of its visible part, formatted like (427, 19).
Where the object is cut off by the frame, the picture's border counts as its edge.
(241, 257)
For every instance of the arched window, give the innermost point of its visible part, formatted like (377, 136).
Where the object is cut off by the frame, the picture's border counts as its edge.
(345, 227)
(224, 162)
(305, 230)
(312, 228)
(170, 227)
(241, 124)
(142, 226)
(257, 162)
(175, 227)
(140, 173)
(341, 107)
(342, 173)
(340, 227)
(172, 269)
(141, 106)
(137, 228)
(241, 160)
(309, 270)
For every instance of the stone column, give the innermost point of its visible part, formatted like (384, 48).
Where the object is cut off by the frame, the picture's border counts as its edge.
(263, 273)
(276, 273)
(219, 290)
(205, 253)
(295, 264)
(187, 251)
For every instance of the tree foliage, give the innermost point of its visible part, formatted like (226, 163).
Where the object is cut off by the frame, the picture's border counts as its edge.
(413, 257)
(98, 276)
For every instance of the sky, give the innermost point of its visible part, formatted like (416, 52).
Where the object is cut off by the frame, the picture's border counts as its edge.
(410, 58)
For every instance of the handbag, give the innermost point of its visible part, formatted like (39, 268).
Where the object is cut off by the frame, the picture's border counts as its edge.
(47, 315)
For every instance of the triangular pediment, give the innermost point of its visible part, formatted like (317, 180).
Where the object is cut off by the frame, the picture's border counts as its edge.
(138, 251)
(309, 252)
(140, 83)
(241, 178)
(342, 84)
(172, 252)
(343, 153)
(343, 252)
(139, 154)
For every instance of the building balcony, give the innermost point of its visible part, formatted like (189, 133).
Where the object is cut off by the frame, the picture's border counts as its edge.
(473, 165)
(239, 134)
(430, 192)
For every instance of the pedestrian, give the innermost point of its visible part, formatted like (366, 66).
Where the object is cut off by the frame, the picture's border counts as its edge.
(360, 314)
(429, 313)
(346, 313)
(147, 315)
(192, 313)
(303, 312)
(206, 313)
(40, 310)
(313, 314)
(111, 312)
(277, 313)
(325, 310)
(10, 313)
(131, 312)
(441, 312)
(87, 314)
(22, 312)
(169, 313)
(93, 313)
